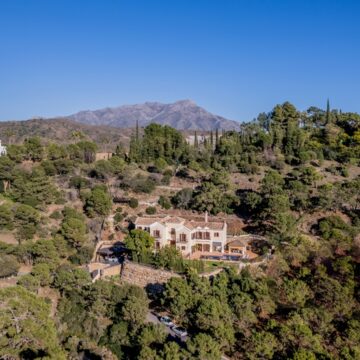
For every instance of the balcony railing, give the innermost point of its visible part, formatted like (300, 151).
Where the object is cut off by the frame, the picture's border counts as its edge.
(182, 241)
(201, 236)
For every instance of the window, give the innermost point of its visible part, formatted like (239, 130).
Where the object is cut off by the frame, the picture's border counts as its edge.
(182, 237)
(183, 248)
(156, 233)
(216, 234)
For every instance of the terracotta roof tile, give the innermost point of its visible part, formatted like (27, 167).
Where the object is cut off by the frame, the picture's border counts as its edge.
(236, 241)
(212, 225)
(190, 224)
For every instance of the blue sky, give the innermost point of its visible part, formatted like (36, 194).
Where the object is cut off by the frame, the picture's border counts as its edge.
(236, 58)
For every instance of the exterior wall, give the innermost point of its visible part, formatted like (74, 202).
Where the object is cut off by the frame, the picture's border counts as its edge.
(162, 230)
(3, 150)
(184, 247)
(219, 241)
(111, 270)
(237, 250)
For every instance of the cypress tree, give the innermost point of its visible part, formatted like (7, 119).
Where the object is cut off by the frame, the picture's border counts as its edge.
(196, 143)
(137, 131)
(216, 137)
(205, 142)
(328, 112)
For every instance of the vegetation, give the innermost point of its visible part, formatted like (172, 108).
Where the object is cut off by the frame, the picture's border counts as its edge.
(292, 175)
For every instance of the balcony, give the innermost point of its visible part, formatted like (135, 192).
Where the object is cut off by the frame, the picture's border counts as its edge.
(201, 236)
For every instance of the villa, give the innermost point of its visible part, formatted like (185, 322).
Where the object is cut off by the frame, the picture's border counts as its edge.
(3, 150)
(189, 236)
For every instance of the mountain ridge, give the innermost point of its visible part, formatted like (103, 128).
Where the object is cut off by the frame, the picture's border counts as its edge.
(181, 115)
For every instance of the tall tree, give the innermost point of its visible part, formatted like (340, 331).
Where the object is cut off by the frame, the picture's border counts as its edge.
(26, 330)
(196, 141)
(328, 113)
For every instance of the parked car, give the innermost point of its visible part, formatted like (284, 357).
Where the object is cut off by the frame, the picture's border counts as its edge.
(179, 331)
(166, 321)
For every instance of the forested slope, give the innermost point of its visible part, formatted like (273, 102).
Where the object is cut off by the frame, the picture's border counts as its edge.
(302, 303)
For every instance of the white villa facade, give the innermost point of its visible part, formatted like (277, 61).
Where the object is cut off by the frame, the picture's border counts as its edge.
(2, 149)
(188, 236)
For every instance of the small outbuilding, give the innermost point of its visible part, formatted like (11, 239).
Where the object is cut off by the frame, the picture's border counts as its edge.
(236, 245)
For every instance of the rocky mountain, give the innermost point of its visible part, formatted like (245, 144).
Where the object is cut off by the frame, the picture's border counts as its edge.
(62, 131)
(182, 115)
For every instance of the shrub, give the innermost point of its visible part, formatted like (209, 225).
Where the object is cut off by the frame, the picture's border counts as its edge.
(166, 180)
(79, 182)
(139, 184)
(29, 282)
(133, 203)
(56, 215)
(278, 164)
(344, 171)
(118, 217)
(42, 272)
(164, 202)
(151, 210)
(6, 217)
(168, 172)
(8, 265)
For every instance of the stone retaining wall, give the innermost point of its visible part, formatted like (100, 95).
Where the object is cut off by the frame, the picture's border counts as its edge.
(111, 270)
(142, 275)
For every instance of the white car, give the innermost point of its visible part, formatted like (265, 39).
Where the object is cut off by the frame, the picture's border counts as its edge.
(179, 331)
(166, 321)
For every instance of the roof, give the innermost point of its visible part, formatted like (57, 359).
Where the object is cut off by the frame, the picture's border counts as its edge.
(111, 250)
(148, 220)
(236, 242)
(190, 224)
(212, 225)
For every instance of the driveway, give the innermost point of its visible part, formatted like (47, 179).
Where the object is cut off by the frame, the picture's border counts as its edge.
(152, 318)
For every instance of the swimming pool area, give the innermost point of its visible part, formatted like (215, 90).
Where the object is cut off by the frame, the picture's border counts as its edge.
(224, 257)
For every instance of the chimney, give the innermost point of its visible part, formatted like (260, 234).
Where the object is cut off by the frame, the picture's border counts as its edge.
(206, 216)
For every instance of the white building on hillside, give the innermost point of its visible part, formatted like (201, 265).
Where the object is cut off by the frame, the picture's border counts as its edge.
(2, 149)
(188, 236)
